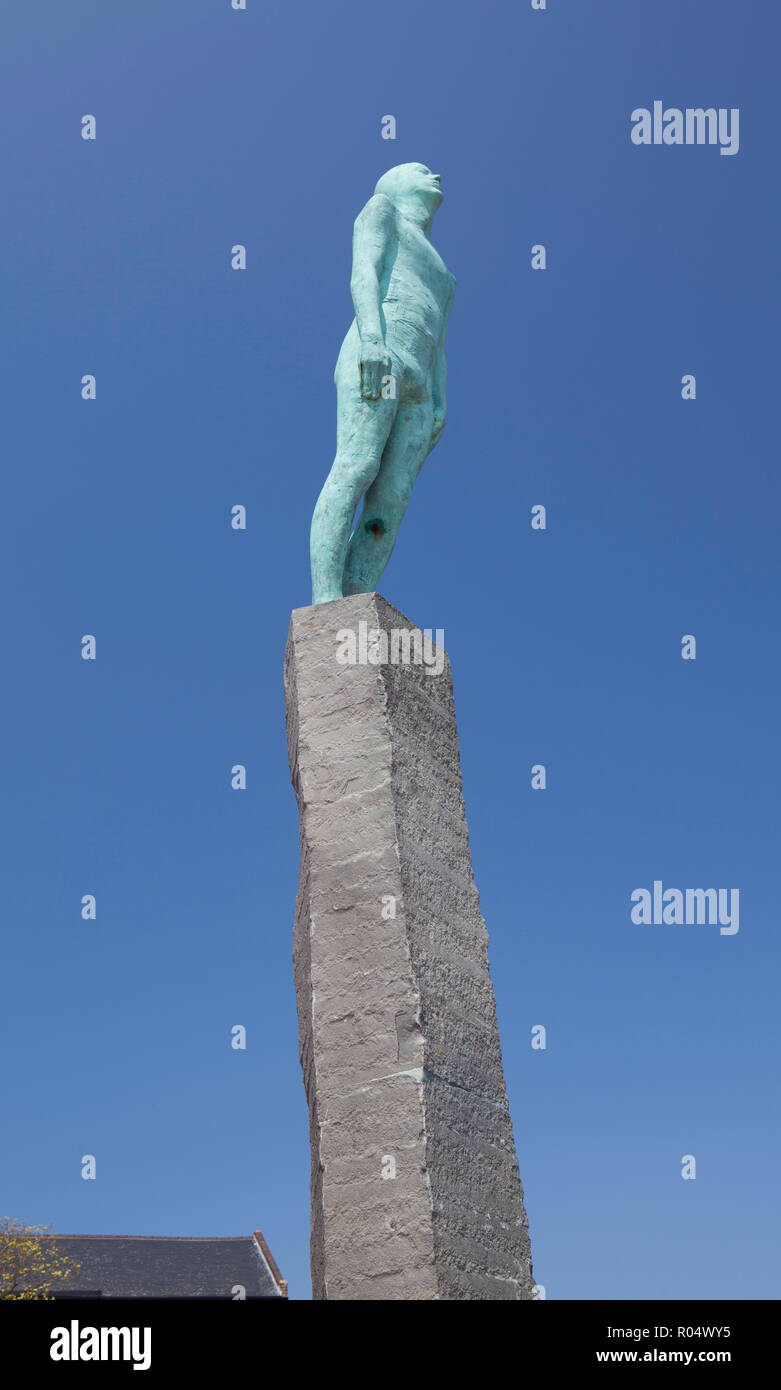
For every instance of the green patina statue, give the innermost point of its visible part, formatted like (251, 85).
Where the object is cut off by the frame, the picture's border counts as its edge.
(390, 383)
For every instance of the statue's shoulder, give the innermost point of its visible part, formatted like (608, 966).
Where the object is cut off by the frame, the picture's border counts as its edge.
(378, 212)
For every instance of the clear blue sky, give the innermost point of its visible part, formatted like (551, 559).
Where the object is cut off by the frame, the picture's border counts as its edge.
(214, 387)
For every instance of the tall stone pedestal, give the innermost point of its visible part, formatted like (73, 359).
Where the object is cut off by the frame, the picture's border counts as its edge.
(416, 1192)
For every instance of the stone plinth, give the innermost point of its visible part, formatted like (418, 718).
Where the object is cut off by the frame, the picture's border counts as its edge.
(416, 1192)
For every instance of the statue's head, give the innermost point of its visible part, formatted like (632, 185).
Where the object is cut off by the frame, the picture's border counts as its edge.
(412, 187)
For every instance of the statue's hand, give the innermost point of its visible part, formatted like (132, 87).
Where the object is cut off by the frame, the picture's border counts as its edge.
(375, 364)
(438, 425)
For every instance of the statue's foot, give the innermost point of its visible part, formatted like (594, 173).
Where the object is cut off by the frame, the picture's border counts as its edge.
(326, 595)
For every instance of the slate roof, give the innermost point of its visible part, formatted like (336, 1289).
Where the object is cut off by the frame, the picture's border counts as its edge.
(169, 1267)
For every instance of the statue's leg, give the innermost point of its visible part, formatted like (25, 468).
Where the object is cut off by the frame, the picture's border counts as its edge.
(362, 431)
(386, 500)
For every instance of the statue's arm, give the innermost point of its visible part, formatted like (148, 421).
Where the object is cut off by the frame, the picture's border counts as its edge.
(372, 237)
(438, 390)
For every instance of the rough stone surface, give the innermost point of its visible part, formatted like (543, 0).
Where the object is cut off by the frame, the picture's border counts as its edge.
(397, 1022)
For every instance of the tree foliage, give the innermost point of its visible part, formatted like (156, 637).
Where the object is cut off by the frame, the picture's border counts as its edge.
(30, 1263)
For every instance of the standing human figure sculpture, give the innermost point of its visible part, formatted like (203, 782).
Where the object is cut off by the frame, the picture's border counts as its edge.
(390, 382)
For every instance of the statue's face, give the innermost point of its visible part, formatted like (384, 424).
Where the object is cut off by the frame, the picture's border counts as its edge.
(423, 183)
(412, 183)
